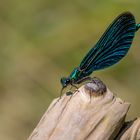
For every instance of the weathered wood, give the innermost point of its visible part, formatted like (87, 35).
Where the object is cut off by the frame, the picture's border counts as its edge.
(91, 113)
(131, 131)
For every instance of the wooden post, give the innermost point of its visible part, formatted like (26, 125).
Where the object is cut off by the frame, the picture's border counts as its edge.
(91, 113)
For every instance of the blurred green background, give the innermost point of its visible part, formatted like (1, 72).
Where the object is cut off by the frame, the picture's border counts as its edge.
(41, 41)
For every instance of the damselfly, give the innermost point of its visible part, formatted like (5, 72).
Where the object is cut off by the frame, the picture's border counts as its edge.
(111, 48)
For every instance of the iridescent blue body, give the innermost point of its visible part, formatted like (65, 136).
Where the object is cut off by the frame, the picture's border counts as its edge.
(111, 48)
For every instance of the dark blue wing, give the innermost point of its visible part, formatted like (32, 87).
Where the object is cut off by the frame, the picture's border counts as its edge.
(112, 46)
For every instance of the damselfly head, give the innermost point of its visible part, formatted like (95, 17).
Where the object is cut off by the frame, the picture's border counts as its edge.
(65, 81)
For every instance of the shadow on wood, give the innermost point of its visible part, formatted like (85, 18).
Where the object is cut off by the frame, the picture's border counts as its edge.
(91, 113)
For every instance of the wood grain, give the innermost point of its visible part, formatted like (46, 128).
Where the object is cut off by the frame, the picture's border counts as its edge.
(91, 113)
